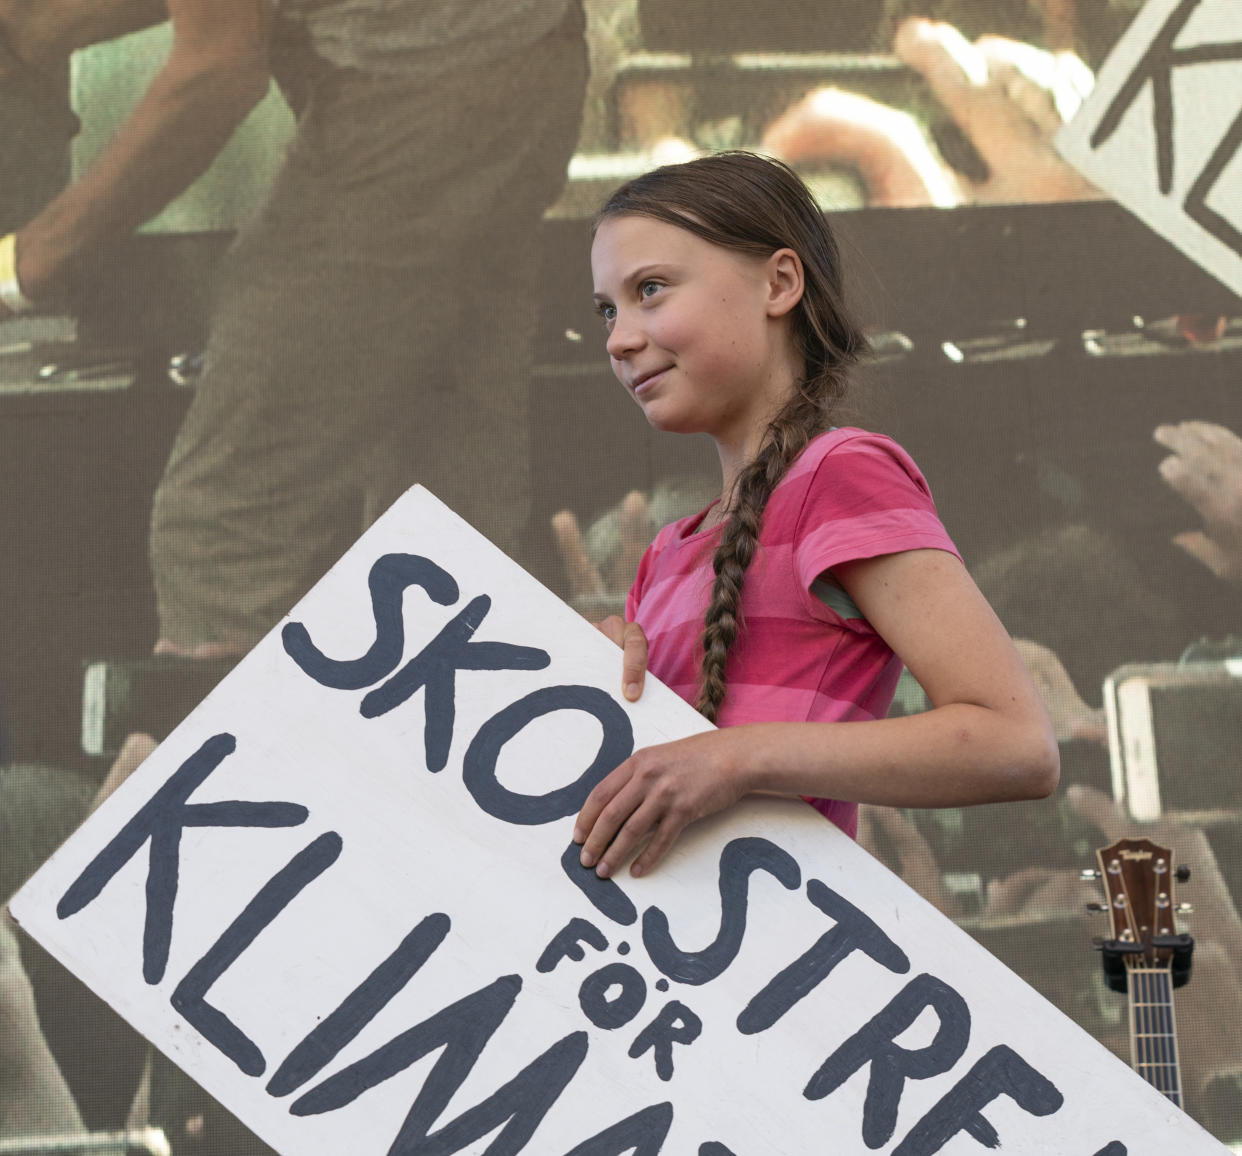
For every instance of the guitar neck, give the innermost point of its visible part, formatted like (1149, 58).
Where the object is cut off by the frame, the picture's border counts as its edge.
(1153, 1031)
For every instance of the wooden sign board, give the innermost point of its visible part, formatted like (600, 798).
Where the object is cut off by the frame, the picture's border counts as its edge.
(1162, 130)
(343, 896)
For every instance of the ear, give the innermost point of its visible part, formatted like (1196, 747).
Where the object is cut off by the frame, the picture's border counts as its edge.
(785, 282)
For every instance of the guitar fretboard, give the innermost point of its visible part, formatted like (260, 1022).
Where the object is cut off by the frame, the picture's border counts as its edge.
(1153, 1032)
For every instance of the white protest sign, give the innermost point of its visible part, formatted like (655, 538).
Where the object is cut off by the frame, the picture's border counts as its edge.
(342, 895)
(1162, 129)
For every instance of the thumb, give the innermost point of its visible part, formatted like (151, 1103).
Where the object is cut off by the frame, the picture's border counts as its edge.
(1204, 550)
(1098, 810)
(584, 579)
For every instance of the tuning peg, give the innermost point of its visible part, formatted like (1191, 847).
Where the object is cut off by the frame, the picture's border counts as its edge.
(1089, 874)
(1096, 908)
(1182, 873)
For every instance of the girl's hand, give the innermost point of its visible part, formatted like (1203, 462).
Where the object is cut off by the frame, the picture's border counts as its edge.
(654, 795)
(633, 642)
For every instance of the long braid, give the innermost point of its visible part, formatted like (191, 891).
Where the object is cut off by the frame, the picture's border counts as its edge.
(787, 436)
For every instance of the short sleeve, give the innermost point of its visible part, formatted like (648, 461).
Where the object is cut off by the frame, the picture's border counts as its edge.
(864, 497)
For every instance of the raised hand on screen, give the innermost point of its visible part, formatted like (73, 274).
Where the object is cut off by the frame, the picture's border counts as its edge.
(1008, 97)
(1205, 468)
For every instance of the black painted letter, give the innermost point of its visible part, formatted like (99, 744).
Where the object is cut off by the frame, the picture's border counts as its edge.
(435, 667)
(606, 1011)
(738, 861)
(567, 944)
(676, 1024)
(479, 765)
(642, 1134)
(891, 1064)
(854, 931)
(360, 1007)
(1001, 1072)
(189, 996)
(1157, 66)
(462, 1030)
(389, 577)
(604, 894)
(161, 820)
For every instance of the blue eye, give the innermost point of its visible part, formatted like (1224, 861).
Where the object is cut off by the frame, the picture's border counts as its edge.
(606, 311)
(648, 288)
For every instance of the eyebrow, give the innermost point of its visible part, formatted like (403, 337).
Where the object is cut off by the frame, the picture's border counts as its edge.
(639, 274)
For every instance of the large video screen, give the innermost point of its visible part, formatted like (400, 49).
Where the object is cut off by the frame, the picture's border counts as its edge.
(384, 280)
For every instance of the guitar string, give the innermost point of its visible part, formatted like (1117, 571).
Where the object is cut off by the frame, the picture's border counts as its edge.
(1154, 1037)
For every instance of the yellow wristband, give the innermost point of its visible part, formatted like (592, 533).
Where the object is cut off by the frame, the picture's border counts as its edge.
(11, 295)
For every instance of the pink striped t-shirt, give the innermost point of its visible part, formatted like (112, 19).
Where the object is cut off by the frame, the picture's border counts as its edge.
(804, 652)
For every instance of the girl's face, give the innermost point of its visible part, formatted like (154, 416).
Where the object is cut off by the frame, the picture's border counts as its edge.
(698, 334)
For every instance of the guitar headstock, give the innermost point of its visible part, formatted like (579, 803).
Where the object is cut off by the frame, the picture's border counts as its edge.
(1138, 878)
(1145, 957)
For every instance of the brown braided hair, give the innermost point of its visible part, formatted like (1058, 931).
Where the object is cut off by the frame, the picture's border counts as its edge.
(756, 205)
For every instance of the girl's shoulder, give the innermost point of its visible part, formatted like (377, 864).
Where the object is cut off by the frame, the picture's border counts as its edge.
(851, 440)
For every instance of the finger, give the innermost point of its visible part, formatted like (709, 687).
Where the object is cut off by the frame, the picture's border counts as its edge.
(1192, 476)
(913, 851)
(1185, 437)
(1099, 810)
(166, 646)
(1010, 895)
(885, 146)
(665, 835)
(633, 661)
(1166, 435)
(957, 73)
(1207, 432)
(1206, 552)
(640, 826)
(1030, 78)
(218, 650)
(1205, 456)
(1060, 696)
(584, 578)
(589, 817)
(1049, 87)
(635, 531)
(618, 830)
(1091, 727)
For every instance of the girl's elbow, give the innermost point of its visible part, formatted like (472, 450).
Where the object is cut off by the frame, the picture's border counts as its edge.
(1041, 766)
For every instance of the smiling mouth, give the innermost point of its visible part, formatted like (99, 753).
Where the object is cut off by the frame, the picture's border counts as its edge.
(643, 379)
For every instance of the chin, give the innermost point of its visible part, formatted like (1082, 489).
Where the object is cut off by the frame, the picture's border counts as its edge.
(667, 419)
(667, 425)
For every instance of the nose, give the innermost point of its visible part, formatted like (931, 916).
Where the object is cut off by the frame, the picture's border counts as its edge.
(625, 338)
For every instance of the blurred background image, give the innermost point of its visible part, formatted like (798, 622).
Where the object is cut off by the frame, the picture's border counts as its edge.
(1068, 381)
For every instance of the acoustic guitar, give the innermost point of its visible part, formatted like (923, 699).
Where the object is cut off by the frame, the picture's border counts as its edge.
(1146, 958)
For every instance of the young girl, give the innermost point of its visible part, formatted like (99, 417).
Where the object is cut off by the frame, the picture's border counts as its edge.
(786, 608)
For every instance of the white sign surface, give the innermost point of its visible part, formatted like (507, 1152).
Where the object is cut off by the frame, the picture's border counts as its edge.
(342, 895)
(1162, 130)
